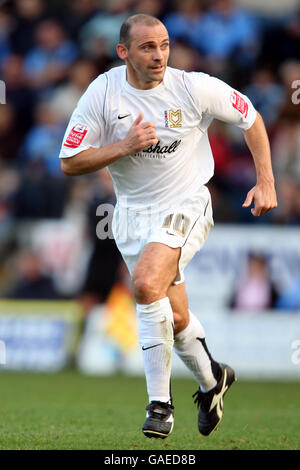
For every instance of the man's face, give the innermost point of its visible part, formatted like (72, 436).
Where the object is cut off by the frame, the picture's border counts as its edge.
(147, 55)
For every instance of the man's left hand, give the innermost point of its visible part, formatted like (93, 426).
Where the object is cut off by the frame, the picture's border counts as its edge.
(264, 197)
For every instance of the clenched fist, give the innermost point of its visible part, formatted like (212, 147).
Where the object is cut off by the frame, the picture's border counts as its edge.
(264, 197)
(139, 136)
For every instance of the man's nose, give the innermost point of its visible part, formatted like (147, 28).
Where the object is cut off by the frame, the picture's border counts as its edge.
(157, 54)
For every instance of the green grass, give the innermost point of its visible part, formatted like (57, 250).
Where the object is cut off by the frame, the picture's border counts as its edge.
(72, 411)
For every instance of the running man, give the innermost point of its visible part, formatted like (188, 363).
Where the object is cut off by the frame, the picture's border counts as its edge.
(148, 124)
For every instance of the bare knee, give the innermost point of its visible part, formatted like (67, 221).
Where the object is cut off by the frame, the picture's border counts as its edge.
(145, 289)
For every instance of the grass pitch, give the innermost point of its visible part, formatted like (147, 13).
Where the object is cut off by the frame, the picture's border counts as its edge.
(68, 411)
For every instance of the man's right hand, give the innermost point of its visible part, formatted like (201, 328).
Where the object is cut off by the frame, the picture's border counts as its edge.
(139, 136)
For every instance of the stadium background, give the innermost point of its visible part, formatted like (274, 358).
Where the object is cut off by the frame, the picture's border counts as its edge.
(65, 294)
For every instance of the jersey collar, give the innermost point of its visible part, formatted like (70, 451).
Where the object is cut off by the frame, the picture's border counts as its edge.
(151, 91)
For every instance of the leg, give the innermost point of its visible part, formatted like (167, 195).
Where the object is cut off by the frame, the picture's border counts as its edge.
(154, 272)
(189, 343)
(189, 340)
(152, 280)
(179, 303)
(152, 276)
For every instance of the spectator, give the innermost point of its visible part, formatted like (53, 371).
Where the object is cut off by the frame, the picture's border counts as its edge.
(100, 35)
(18, 95)
(286, 143)
(255, 290)
(31, 282)
(46, 64)
(224, 155)
(291, 36)
(266, 95)
(288, 212)
(184, 57)
(226, 32)
(184, 20)
(27, 15)
(43, 188)
(78, 13)
(155, 8)
(43, 140)
(281, 40)
(65, 97)
(39, 195)
(286, 161)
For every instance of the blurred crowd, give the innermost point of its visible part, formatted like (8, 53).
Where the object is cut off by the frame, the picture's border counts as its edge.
(49, 53)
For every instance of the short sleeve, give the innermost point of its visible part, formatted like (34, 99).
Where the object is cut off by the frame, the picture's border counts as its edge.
(216, 99)
(86, 125)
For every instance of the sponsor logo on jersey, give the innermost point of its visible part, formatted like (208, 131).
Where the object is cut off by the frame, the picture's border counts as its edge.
(175, 118)
(162, 149)
(76, 136)
(239, 103)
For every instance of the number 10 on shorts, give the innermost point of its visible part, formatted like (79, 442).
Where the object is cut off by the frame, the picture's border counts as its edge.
(180, 223)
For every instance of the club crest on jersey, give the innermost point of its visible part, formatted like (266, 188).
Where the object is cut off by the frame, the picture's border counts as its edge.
(76, 136)
(239, 103)
(173, 118)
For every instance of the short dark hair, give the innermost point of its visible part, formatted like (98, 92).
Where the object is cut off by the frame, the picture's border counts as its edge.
(147, 20)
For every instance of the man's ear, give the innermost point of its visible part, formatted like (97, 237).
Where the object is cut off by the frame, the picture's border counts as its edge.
(122, 51)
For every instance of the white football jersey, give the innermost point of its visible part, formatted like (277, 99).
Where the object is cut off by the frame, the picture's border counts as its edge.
(181, 108)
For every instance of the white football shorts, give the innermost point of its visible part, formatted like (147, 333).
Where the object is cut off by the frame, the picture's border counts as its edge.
(185, 224)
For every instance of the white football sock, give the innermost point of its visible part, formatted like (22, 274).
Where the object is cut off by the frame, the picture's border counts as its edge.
(156, 337)
(190, 346)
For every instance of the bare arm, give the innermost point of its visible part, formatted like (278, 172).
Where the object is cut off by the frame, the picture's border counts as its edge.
(263, 194)
(138, 137)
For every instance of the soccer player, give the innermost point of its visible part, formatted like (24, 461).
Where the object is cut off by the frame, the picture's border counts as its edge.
(148, 124)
